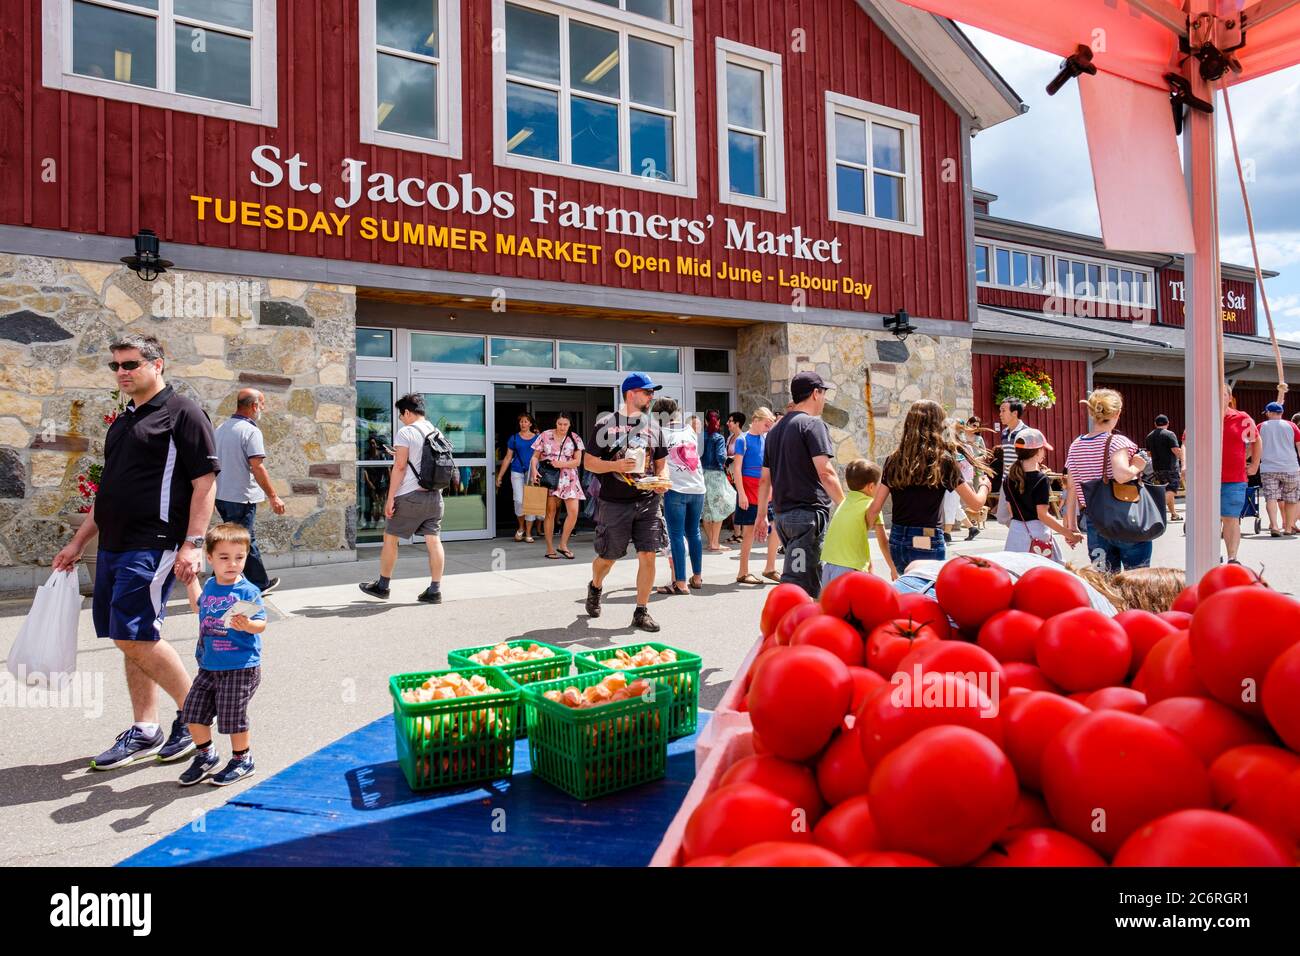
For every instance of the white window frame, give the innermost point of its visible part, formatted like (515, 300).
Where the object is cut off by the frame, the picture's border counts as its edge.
(678, 35)
(1104, 264)
(1049, 274)
(392, 339)
(910, 124)
(769, 65)
(449, 106)
(56, 63)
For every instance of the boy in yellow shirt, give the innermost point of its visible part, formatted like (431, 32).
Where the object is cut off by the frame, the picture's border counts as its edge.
(848, 546)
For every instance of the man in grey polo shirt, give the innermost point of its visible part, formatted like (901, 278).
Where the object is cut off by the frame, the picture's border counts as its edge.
(243, 481)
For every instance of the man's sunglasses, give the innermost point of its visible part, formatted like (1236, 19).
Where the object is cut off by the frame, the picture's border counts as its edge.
(128, 366)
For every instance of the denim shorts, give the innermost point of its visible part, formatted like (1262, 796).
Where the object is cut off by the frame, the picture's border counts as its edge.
(1232, 499)
(903, 549)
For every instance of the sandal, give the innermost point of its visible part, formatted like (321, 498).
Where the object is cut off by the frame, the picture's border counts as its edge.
(552, 556)
(748, 579)
(772, 576)
(670, 589)
(696, 583)
(530, 539)
(567, 554)
(519, 536)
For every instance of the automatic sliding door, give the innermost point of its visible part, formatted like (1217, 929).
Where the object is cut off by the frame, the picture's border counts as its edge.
(463, 412)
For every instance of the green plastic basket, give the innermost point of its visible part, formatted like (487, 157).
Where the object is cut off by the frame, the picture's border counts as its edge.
(683, 677)
(448, 743)
(600, 750)
(523, 672)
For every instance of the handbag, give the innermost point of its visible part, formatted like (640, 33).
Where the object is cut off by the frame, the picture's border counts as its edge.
(1128, 511)
(1043, 547)
(547, 473)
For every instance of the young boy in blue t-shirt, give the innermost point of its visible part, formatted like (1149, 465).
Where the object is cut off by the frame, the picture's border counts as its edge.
(230, 656)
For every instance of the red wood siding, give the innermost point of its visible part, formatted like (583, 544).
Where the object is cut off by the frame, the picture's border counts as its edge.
(123, 166)
(1238, 302)
(1035, 302)
(1061, 423)
(1143, 401)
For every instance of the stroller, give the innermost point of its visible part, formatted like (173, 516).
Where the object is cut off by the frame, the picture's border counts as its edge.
(1251, 508)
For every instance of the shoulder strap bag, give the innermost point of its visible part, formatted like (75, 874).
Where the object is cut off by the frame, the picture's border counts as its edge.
(1128, 511)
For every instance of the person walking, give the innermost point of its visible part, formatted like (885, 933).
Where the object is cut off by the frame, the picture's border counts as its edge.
(746, 473)
(719, 495)
(800, 480)
(410, 509)
(556, 457)
(243, 481)
(626, 444)
(1241, 454)
(151, 512)
(1279, 469)
(1166, 463)
(684, 503)
(518, 460)
(735, 428)
(1029, 495)
(1086, 461)
(848, 539)
(1009, 412)
(916, 477)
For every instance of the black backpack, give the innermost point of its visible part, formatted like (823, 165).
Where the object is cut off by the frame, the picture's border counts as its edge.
(437, 471)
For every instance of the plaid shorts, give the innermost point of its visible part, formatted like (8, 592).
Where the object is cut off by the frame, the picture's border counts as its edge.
(1281, 486)
(223, 695)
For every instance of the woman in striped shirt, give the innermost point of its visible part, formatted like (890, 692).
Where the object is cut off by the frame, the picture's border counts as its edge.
(1085, 462)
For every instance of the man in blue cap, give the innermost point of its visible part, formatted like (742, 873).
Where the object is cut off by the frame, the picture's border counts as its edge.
(1279, 469)
(625, 445)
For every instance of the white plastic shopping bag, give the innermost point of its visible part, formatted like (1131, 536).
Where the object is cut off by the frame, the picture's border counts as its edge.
(46, 649)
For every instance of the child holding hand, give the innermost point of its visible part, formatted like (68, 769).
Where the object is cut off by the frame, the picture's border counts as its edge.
(848, 541)
(229, 655)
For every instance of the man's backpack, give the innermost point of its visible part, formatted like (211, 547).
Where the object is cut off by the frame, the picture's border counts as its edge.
(437, 471)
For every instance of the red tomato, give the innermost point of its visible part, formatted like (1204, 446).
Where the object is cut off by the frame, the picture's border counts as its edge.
(1223, 577)
(1107, 773)
(1289, 800)
(1281, 696)
(732, 818)
(1030, 814)
(832, 634)
(1029, 722)
(947, 794)
(769, 643)
(1040, 847)
(793, 781)
(1117, 698)
(842, 771)
(1169, 670)
(924, 609)
(798, 699)
(1186, 601)
(714, 860)
(1250, 782)
(779, 601)
(782, 853)
(764, 655)
(1202, 838)
(890, 642)
(885, 858)
(1027, 677)
(1047, 592)
(1209, 727)
(1143, 629)
(793, 618)
(1236, 635)
(848, 829)
(865, 683)
(957, 657)
(1083, 649)
(1009, 635)
(893, 716)
(865, 598)
(972, 590)
(1181, 620)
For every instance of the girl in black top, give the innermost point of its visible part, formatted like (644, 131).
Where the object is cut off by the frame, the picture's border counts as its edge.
(1029, 495)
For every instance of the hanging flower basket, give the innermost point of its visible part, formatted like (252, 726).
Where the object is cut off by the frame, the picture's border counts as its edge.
(1024, 382)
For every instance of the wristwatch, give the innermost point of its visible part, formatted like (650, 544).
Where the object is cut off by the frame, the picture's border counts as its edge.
(195, 539)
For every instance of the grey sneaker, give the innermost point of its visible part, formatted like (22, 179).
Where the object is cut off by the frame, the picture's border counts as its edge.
(179, 743)
(271, 585)
(235, 771)
(131, 746)
(204, 763)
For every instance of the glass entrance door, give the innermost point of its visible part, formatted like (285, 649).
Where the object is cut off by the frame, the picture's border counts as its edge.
(463, 412)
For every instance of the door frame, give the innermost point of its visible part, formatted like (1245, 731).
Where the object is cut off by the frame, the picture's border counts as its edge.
(428, 385)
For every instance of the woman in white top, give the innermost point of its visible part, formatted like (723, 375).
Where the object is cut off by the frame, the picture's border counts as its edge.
(684, 504)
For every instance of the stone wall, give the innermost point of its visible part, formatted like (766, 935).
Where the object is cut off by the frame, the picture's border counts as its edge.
(292, 340)
(876, 378)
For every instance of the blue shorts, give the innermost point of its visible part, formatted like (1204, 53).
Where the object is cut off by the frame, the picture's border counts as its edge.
(745, 517)
(131, 589)
(1232, 499)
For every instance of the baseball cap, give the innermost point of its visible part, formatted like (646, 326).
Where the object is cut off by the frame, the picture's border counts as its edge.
(1162, 419)
(639, 380)
(1032, 438)
(804, 384)
(1274, 407)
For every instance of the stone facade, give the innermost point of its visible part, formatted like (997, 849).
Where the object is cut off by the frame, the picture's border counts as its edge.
(292, 340)
(876, 378)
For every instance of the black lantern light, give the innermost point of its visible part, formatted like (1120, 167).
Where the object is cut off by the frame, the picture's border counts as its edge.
(900, 324)
(146, 263)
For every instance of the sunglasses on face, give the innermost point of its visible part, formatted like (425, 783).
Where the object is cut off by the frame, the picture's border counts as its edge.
(128, 366)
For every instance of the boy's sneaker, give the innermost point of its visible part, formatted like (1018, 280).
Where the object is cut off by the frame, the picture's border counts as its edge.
(204, 763)
(374, 590)
(235, 771)
(593, 600)
(972, 534)
(179, 742)
(132, 746)
(430, 596)
(271, 585)
(642, 620)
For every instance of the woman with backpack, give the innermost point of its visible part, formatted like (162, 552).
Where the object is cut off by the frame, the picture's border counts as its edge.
(556, 458)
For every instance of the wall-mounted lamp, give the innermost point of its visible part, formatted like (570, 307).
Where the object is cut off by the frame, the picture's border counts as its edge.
(899, 324)
(146, 263)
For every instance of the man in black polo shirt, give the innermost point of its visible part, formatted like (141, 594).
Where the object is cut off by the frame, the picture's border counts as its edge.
(154, 503)
(1166, 457)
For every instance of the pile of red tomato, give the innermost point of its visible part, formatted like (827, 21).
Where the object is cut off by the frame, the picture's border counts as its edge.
(1036, 732)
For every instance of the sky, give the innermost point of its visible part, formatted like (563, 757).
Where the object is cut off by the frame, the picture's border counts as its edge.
(1037, 165)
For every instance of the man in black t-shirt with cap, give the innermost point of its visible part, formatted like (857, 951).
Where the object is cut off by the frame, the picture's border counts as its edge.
(1166, 459)
(800, 478)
